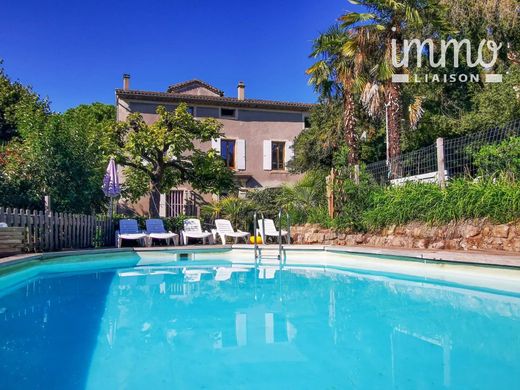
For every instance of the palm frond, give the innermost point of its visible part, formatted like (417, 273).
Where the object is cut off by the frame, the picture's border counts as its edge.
(351, 18)
(415, 111)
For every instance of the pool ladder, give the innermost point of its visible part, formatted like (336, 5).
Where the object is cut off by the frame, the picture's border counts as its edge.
(258, 250)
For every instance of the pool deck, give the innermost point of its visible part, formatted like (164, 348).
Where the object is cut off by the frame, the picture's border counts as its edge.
(485, 258)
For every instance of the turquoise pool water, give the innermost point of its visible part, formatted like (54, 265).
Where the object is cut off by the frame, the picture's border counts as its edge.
(212, 326)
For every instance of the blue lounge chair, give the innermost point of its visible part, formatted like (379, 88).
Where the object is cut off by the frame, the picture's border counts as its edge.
(155, 229)
(128, 230)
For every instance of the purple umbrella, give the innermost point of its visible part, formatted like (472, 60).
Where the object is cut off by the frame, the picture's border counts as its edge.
(111, 186)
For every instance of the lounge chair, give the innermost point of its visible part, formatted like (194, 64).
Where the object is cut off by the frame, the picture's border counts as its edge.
(155, 229)
(224, 273)
(224, 229)
(128, 230)
(192, 229)
(270, 230)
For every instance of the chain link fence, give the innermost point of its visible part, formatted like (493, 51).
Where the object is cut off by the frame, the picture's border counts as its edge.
(458, 155)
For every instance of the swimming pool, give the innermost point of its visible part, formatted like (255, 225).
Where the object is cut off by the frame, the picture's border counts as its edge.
(216, 320)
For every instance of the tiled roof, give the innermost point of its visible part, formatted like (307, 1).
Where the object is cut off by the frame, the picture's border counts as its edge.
(212, 100)
(196, 83)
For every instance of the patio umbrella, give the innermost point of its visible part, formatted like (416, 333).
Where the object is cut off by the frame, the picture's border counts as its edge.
(111, 186)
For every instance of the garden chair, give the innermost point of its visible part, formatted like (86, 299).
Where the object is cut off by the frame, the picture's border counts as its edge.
(155, 229)
(128, 230)
(270, 230)
(192, 229)
(224, 229)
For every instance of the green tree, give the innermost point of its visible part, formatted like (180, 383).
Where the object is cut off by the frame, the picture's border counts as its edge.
(315, 145)
(334, 74)
(385, 21)
(64, 156)
(18, 103)
(165, 154)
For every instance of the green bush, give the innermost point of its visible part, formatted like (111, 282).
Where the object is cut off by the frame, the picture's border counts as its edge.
(239, 211)
(498, 200)
(502, 159)
(352, 200)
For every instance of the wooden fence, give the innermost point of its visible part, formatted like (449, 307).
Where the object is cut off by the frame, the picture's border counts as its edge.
(55, 231)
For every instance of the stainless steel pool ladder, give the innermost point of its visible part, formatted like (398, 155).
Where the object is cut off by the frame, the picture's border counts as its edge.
(257, 249)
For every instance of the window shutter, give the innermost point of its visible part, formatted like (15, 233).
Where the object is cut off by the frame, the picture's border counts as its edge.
(289, 152)
(267, 155)
(215, 144)
(162, 205)
(241, 154)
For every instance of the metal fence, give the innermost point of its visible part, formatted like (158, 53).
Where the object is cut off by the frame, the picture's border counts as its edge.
(457, 155)
(55, 231)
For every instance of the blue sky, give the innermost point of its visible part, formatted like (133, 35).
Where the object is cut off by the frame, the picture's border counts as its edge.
(76, 52)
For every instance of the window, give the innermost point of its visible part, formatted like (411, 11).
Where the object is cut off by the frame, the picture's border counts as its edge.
(227, 112)
(227, 151)
(191, 110)
(175, 203)
(277, 156)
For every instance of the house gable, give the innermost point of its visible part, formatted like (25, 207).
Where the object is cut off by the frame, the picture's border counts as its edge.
(195, 87)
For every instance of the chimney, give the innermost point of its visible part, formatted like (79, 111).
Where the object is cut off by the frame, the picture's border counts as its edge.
(126, 82)
(241, 90)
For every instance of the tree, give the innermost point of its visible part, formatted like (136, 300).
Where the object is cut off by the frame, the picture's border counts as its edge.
(315, 146)
(334, 74)
(17, 103)
(385, 21)
(165, 154)
(64, 156)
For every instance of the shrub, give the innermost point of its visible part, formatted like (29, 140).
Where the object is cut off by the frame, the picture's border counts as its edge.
(237, 210)
(500, 159)
(352, 200)
(498, 200)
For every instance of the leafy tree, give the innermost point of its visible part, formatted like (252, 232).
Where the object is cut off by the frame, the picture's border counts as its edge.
(315, 146)
(165, 154)
(18, 103)
(61, 155)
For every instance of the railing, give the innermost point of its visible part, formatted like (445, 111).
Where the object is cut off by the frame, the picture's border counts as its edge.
(257, 249)
(55, 231)
(456, 154)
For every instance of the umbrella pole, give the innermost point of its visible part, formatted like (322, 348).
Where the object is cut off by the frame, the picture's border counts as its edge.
(111, 208)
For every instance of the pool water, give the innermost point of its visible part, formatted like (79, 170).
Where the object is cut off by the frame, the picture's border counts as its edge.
(222, 327)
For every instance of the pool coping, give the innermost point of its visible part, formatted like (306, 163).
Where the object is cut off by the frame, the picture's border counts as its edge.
(479, 258)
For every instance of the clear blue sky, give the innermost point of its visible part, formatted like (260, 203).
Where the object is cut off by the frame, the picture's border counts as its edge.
(75, 52)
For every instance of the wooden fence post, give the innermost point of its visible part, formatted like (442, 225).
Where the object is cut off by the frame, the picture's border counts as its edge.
(441, 177)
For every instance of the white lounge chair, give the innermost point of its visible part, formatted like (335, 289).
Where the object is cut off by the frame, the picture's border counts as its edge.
(270, 230)
(224, 273)
(224, 229)
(155, 229)
(128, 230)
(192, 229)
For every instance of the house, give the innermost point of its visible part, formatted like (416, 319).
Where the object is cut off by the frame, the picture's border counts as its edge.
(258, 135)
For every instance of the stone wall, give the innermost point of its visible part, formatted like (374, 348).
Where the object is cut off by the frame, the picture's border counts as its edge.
(464, 235)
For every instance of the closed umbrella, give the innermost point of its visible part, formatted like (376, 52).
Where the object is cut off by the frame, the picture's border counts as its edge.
(111, 186)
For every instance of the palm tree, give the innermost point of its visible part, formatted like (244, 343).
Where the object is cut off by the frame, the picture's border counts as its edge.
(333, 75)
(385, 21)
